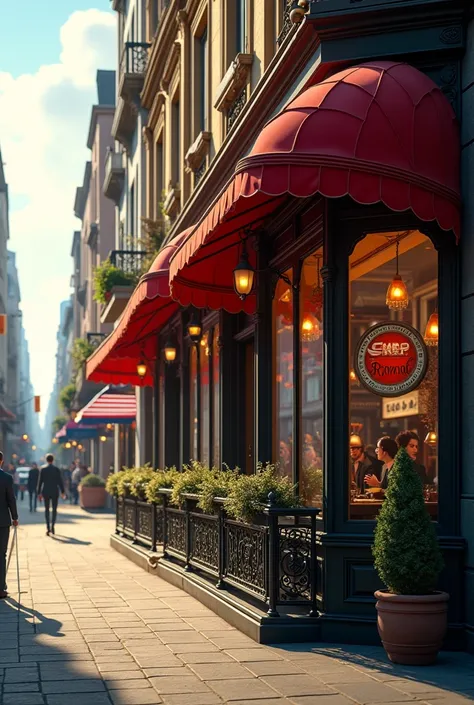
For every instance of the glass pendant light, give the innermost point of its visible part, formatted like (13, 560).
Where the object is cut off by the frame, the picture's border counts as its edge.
(141, 369)
(310, 328)
(431, 335)
(397, 294)
(431, 438)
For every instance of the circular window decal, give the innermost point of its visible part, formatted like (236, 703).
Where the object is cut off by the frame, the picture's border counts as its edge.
(391, 359)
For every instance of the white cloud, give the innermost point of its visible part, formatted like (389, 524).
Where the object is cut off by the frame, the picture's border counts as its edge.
(44, 120)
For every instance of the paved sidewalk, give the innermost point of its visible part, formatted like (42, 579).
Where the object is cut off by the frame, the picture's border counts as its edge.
(93, 628)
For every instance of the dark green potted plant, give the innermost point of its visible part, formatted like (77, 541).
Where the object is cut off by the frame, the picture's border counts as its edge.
(411, 613)
(92, 492)
(106, 276)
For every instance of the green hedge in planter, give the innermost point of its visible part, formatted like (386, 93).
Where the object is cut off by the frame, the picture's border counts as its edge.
(162, 479)
(92, 480)
(250, 492)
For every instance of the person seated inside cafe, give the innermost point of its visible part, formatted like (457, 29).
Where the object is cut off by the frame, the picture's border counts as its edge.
(362, 464)
(411, 442)
(386, 450)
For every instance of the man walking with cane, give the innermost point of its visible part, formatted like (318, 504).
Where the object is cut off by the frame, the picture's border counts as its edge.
(50, 483)
(8, 516)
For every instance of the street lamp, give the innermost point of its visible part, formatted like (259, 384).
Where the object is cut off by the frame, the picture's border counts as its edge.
(55, 441)
(67, 445)
(33, 447)
(25, 436)
(103, 439)
(169, 351)
(244, 275)
(141, 369)
(194, 328)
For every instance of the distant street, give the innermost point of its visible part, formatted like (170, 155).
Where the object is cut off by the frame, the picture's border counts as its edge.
(94, 628)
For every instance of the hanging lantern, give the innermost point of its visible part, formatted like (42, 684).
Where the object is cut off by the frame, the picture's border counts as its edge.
(431, 438)
(169, 351)
(141, 369)
(397, 294)
(244, 275)
(432, 330)
(310, 328)
(194, 329)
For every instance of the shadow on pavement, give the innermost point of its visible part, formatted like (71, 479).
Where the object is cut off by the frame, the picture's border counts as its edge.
(69, 539)
(453, 673)
(45, 660)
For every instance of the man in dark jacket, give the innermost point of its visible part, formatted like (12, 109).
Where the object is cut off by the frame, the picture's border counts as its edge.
(33, 477)
(8, 516)
(362, 464)
(50, 484)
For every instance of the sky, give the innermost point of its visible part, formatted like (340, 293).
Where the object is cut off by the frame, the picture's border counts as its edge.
(49, 56)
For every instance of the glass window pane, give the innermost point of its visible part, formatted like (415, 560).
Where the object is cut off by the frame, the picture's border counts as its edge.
(311, 394)
(193, 405)
(372, 268)
(283, 375)
(162, 412)
(216, 390)
(204, 359)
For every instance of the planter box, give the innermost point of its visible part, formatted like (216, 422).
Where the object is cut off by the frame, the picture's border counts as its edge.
(92, 497)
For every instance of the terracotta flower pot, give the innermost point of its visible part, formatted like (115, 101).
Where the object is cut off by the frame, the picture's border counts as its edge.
(92, 497)
(412, 627)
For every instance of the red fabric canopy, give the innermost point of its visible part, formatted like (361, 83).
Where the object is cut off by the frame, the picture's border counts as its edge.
(149, 308)
(378, 132)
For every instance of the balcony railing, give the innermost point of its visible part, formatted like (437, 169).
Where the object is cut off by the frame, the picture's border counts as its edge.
(95, 339)
(135, 58)
(273, 560)
(129, 261)
(236, 108)
(114, 176)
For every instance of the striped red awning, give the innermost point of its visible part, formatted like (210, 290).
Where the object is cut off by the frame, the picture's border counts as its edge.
(111, 405)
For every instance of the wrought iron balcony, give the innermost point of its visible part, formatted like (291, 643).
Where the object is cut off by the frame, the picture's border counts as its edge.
(129, 261)
(81, 294)
(95, 339)
(236, 108)
(286, 24)
(114, 176)
(132, 69)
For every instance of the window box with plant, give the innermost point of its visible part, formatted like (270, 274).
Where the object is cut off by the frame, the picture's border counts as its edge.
(92, 492)
(106, 277)
(412, 613)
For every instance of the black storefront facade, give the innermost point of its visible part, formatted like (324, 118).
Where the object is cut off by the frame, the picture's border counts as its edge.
(272, 378)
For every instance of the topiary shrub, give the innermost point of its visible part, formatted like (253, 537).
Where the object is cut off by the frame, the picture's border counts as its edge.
(92, 480)
(249, 493)
(406, 551)
(162, 479)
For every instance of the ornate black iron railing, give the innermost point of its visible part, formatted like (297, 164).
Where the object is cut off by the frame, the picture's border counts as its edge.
(286, 24)
(273, 560)
(95, 339)
(129, 261)
(135, 57)
(236, 108)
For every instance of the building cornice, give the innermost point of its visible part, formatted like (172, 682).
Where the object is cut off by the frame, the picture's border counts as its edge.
(97, 111)
(159, 53)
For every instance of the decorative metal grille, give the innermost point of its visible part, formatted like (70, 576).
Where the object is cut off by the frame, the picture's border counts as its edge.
(129, 261)
(246, 556)
(145, 522)
(95, 339)
(176, 530)
(129, 517)
(287, 24)
(159, 524)
(120, 514)
(295, 564)
(204, 541)
(199, 173)
(135, 57)
(236, 108)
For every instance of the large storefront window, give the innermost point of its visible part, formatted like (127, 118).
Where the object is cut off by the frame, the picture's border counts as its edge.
(204, 358)
(393, 277)
(216, 390)
(311, 381)
(283, 375)
(161, 417)
(193, 402)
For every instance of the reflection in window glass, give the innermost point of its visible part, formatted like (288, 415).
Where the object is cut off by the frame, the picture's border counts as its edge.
(216, 397)
(410, 420)
(193, 402)
(311, 395)
(283, 375)
(204, 359)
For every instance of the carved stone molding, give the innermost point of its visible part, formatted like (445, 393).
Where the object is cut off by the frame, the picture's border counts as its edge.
(170, 66)
(233, 82)
(147, 137)
(198, 151)
(172, 201)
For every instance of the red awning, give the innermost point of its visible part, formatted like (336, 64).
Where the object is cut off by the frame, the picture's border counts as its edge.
(110, 405)
(149, 308)
(378, 132)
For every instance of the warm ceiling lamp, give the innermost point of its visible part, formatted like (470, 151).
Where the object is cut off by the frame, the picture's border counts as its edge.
(141, 369)
(431, 438)
(397, 294)
(432, 330)
(310, 328)
(169, 351)
(244, 275)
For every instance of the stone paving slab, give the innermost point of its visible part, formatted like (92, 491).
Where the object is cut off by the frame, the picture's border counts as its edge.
(91, 628)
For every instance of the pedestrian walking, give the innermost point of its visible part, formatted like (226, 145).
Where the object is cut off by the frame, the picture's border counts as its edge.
(8, 516)
(33, 477)
(50, 484)
(75, 480)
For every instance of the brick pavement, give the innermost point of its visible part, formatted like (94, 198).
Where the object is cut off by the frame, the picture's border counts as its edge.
(94, 628)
